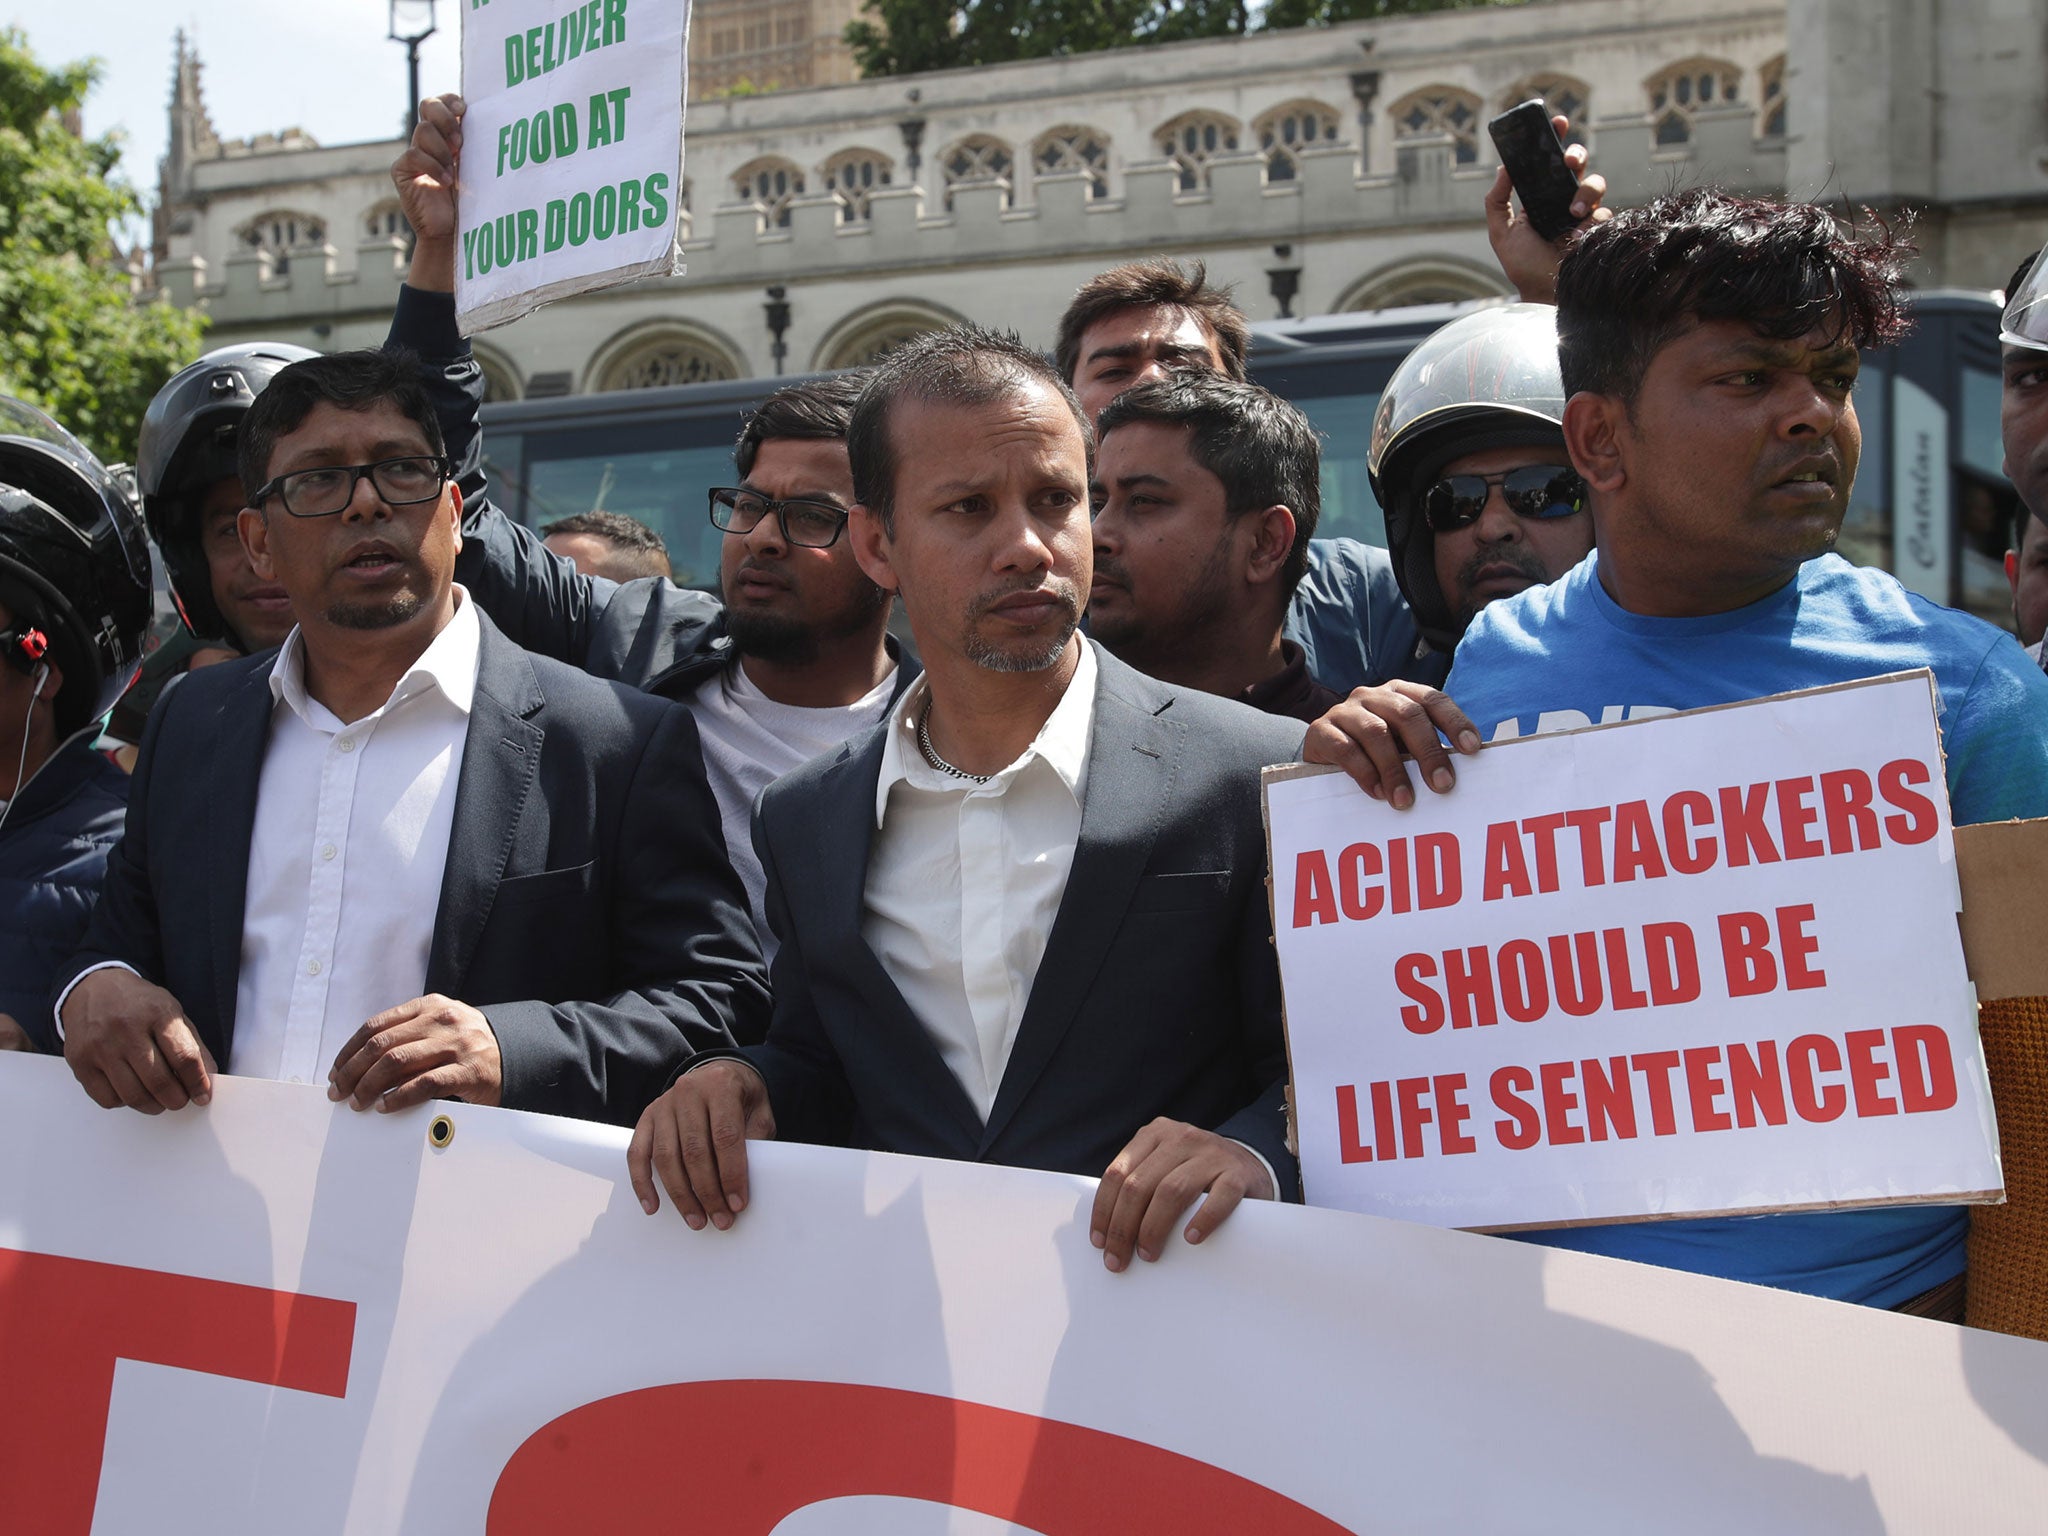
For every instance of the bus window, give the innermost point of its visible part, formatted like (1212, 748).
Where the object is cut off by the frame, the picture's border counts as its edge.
(1985, 500)
(629, 470)
(1345, 425)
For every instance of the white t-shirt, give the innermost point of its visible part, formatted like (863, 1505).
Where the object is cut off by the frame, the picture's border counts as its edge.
(750, 741)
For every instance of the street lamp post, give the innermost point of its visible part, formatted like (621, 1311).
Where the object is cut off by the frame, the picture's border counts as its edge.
(412, 23)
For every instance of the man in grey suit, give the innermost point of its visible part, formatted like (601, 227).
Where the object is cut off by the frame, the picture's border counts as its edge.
(1023, 920)
(400, 855)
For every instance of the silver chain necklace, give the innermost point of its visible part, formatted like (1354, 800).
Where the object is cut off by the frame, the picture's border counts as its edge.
(931, 753)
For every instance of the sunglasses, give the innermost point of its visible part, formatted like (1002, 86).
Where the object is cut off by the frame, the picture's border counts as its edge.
(1536, 490)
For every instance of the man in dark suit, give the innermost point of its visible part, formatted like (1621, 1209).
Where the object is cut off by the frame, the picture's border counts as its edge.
(1024, 919)
(401, 844)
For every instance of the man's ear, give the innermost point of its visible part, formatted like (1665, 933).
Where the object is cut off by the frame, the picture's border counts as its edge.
(254, 528)
(1596, 429)
(871, 547)
(455, 498)
(1273, 531)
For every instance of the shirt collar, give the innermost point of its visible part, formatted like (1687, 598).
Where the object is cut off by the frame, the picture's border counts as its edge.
(1061, 743)
(448, 665)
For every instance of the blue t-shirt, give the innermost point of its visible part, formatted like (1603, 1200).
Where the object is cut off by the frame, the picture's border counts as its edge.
(1553, 658)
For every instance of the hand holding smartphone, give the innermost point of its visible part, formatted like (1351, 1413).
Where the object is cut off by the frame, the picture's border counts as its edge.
(1534, 160)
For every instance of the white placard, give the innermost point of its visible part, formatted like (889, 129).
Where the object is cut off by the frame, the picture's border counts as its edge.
(572, 150)
(1701, 964)
(277, 1314)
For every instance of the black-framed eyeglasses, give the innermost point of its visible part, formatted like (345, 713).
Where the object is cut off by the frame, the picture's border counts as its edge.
(325, 491)
(813, 524)
(1539, 491)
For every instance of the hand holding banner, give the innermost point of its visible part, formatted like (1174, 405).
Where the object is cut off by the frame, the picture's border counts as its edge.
(1707, 964)
(573, 150)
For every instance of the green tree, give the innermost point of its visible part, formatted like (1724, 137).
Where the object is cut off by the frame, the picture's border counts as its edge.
(903, 37)
(72, 338)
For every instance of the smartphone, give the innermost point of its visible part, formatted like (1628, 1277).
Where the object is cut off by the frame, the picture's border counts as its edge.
(1534, 158)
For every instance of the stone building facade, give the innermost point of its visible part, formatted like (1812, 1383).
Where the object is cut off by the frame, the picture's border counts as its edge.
(1318, 171)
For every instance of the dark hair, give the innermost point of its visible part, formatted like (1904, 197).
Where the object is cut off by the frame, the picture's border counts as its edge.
(1260, 446)
(628, 535)
(355, 381)
(1143, 285)
(962, 365)
(1630, 286)
(820, 410)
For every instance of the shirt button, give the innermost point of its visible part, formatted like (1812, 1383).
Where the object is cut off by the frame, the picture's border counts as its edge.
(347, 743)
(312, 967)
(327, 852)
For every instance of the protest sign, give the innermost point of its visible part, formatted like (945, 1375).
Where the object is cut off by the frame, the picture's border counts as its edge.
(572, 153)
(277, 1314)
(1703, 964)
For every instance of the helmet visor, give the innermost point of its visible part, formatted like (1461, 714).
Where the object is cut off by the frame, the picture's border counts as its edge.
(2025, 323)
(93, 506)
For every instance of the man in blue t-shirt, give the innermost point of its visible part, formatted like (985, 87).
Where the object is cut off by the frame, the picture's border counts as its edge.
(1709, 345)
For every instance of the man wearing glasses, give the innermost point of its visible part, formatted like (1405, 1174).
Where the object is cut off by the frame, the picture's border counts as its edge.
(402, 857)
(793, 662)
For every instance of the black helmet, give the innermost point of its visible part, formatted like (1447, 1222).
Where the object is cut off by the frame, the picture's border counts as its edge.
(1489, 380)
(74, 565)
(188, 444)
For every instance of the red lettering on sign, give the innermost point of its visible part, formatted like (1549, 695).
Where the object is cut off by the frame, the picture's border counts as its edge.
(1845, 801)
(1918, 823)
(758, 1451)
(1520, 1131)
(65, 1322)
(1314, 901)
(1927, 1073)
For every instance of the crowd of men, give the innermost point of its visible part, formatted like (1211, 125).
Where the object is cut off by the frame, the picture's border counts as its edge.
(469, 811)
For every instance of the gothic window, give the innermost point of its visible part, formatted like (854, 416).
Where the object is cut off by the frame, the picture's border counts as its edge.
(1681, 90)
(853, 174)
(975, 161)
(385, 222)
(282, 231)
(1772, 78)
(673, 355)
(1063, 151)
(1192, 140)
(1440, 112)
(770, 183)
(1285, 129)
(1562, 94)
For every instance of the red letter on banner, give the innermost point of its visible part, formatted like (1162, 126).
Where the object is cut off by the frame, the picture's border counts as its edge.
(761, 1450)
(63, 1324)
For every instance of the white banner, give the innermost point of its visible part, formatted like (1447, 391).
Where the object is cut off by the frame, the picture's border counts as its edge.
(1701, 964)
(572, 150)
(279, 1315)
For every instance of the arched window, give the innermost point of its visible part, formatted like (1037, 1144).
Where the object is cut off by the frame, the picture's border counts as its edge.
(1065, 150)
(1681, 90)
(1192, 140)
(1420, 280)
(386, 222)
(1439, 112)
(501, 379)
(1285, 129)
(868, 334)
(769, 183)
(1560, 93)
(853, 174)
(282, 232)
(1772, 78)
(975, 161)
(659, 355)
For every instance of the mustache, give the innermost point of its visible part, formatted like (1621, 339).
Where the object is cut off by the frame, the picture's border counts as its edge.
(1059, 589)
(1522, 560)
(1111, 570)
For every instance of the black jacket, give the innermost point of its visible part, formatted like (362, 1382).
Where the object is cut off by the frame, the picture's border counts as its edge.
(587, 907)
(53, 852)
(1158, 993)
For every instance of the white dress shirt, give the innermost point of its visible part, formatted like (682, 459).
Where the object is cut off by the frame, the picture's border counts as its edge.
(750, 741)
(965, 879)
(346, 856)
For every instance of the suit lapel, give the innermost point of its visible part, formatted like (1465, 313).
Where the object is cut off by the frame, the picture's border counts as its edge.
(240, 738)
(500, 760)
(844, 840)
(1133, 755)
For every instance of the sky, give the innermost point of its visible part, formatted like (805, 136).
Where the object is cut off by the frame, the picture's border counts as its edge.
(322, 65)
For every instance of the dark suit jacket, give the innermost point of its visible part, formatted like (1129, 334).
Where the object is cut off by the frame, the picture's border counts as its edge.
(1158, 994)
(587, 908)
